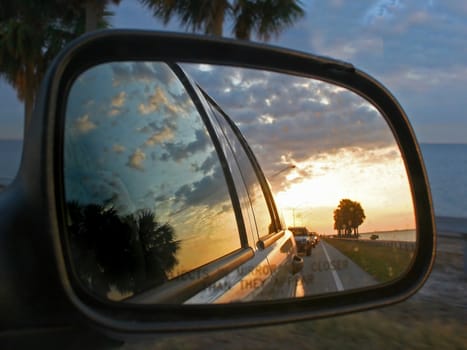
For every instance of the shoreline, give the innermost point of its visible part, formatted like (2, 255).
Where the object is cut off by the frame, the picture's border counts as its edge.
(444, 225)
(451, 226)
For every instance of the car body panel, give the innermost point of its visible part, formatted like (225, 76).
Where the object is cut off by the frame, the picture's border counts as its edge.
(304, 240)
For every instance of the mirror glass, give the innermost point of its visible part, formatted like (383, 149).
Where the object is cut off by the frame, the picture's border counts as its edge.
(192, 183)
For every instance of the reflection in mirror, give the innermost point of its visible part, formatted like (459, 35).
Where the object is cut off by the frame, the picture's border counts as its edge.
(210, 184)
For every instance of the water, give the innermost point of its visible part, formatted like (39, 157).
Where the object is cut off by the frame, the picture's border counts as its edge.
(10, 156)
(404, 236)
(446, 166)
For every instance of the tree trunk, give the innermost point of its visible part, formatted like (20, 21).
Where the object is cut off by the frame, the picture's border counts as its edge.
(29, 97)
(216, 27)
(92, 15)
(28, 107)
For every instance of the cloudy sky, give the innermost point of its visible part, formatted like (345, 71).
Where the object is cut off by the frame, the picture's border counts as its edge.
(338, 144)
(134, 141)
(415, 48)
(418, 49)
(134, 125)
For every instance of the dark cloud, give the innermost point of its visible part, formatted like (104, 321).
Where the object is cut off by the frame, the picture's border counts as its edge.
(210, 191)
(209, 164)
(284, 117)
(158, 126)
(130, 72)
(178, 151)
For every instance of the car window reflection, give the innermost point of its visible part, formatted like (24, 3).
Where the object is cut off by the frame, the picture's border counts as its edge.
(147, 198)
(253, 190)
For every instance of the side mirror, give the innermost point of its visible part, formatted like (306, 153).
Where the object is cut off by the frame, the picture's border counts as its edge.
(171, 161)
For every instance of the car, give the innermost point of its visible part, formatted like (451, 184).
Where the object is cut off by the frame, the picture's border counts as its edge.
(315, 237)
(304, 239)
(242, 260)
(99, 246)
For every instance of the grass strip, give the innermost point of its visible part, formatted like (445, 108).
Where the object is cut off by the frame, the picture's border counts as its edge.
(384, 263)
(415, 326)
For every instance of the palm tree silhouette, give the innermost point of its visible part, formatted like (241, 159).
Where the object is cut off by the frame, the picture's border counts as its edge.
(157, 248)
(31, 35)
(261, 17)
(130, 253)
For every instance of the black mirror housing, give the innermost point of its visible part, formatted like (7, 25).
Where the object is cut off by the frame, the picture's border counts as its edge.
(41, 250)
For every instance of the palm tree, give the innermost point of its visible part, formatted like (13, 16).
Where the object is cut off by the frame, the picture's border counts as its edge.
(260, 17)
(94, 12)
(130, 253)
(31, 34)
(264, 18)
(202, 15)
(159, 248)
(101, 248)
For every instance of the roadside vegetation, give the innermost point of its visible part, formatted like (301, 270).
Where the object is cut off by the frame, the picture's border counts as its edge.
(434, 318)
(409, 325)
(382, 262)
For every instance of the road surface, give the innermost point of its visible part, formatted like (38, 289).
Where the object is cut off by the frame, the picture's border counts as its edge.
(327, 270)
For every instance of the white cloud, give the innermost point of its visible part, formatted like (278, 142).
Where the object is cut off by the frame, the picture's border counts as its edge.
(114, 112)
(146, 109)
(347, 49)
(155, 101)
(84, 124)
(119, 100)
(160, 137)
(136, 160)
(174, 109)
(266, 119)
(383, 9)
(118, 148)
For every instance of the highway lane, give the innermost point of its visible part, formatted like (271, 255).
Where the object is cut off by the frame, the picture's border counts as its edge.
(327, 270)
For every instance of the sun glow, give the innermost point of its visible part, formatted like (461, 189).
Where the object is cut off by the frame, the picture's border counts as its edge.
(375, 178)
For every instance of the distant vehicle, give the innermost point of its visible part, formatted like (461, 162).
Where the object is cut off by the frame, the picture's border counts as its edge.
(374, 237)
(315, 238)
(303, 238)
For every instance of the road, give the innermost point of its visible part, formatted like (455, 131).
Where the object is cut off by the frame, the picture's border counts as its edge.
(328, 270)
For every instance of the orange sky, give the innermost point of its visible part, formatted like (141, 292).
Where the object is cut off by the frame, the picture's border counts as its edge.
(375, 178)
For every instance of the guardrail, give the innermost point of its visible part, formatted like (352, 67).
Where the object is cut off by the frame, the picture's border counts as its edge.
(403, 245)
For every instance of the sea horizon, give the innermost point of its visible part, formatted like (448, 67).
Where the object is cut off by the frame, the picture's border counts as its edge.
(408, 235)
(446, 165)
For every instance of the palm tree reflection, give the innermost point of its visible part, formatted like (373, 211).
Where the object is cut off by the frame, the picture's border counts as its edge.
(127, 254)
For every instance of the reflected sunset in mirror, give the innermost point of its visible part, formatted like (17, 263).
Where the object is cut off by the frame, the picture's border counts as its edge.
(206, 184)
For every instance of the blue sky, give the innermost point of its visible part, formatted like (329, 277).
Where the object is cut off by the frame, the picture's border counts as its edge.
(418, 49)
(135, 141)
